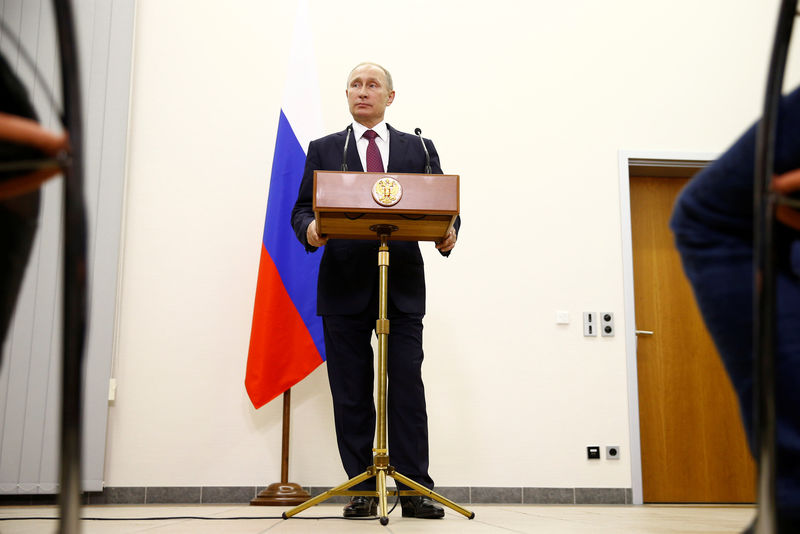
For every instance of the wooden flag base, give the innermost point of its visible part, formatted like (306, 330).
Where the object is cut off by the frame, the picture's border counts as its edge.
(281, 494)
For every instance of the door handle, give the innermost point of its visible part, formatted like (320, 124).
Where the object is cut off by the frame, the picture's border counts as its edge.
(644, 332)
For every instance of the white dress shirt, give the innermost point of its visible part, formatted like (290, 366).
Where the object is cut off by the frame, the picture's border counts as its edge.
(382, 141)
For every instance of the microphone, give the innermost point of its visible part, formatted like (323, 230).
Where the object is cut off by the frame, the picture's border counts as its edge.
(427, 156)
(344, 153)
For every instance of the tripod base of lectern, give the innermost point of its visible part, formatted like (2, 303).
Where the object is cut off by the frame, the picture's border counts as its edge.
(382, 493)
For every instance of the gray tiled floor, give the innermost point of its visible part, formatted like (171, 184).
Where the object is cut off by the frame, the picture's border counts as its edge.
(489, 519)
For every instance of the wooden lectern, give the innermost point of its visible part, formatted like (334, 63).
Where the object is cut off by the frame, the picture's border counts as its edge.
(407, 207)
(346, 207)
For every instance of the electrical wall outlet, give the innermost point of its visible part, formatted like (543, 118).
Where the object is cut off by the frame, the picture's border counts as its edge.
(612, 452)
(590, 324)
(606, 324)
(593, 452)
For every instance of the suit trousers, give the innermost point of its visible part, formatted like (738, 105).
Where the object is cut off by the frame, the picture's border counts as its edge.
(350, 361)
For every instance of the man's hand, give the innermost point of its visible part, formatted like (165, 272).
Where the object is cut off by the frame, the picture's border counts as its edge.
(314, 239)
(447, 244)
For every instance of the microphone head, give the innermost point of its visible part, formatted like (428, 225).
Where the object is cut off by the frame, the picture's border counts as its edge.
(417, 131)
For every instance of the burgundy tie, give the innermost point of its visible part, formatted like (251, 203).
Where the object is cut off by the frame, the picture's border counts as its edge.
(374, 162)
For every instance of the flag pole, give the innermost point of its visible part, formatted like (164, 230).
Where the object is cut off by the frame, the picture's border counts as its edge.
(283, 493)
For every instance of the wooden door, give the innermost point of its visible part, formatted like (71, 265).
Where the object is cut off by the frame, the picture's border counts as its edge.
(692, 439)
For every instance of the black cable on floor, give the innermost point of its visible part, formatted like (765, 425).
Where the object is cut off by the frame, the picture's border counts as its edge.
(198, 517)
(183, 517)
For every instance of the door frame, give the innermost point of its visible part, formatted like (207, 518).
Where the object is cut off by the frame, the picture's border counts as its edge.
(670, 164)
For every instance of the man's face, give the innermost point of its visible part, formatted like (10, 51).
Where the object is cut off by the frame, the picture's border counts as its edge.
(368, 95)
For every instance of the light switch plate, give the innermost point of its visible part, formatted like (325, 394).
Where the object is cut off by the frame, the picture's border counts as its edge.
(590, 325)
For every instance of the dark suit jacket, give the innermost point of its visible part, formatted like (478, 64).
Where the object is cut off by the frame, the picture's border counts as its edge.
(348, 272)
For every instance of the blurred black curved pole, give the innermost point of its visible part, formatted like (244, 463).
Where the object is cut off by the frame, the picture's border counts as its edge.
(765, 280)
(74, 305)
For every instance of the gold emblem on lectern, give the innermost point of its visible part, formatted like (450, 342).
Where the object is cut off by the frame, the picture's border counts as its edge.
(387, 191)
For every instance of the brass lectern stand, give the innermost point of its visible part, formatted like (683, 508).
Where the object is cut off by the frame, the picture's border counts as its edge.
(406, 207)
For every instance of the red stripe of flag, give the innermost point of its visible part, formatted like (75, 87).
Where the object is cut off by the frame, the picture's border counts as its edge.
(282, 351)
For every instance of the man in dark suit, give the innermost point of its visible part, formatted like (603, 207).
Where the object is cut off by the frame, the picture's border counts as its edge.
(347, 299)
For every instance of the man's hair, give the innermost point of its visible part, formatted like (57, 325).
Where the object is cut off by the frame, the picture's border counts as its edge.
(389, 84)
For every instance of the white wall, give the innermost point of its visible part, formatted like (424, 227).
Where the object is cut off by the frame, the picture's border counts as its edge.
(530, 102)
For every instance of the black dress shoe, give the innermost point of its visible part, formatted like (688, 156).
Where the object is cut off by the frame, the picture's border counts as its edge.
(421, 507)
(361, 507)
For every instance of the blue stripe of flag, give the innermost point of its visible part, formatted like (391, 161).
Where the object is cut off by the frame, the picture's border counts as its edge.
(298, 270)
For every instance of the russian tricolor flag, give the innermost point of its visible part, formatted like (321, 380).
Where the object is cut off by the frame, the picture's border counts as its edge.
(286, 341)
